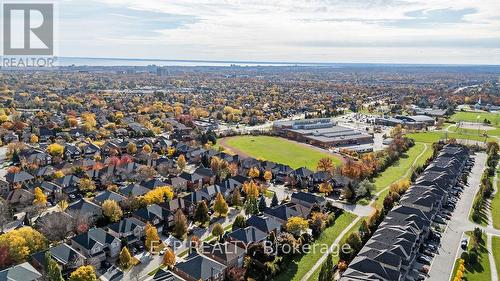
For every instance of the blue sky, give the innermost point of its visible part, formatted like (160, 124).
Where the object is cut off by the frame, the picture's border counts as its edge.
(379, 31)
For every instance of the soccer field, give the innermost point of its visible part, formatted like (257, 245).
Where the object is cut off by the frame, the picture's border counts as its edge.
(278, 150)
(469, 116)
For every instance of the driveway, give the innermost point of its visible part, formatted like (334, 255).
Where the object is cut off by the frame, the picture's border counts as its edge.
(444, 261)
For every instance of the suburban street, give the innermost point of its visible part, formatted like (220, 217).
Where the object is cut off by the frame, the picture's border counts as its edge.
(444, 261)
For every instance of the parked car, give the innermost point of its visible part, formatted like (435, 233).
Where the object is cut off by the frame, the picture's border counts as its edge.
(463, 244)
(424, 260)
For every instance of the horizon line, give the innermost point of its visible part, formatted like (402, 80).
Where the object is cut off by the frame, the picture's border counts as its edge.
(290, 63)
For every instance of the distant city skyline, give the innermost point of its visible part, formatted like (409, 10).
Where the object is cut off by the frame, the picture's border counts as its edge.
(320, 31)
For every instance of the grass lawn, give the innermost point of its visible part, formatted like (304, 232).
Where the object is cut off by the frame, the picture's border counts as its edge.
(480, 271)
(495, 243)
(434, 136)
(302, 264)
(278, 150)
(399, 169)
(495, 205)
(475, 132)
(468, 116)
(336, 258)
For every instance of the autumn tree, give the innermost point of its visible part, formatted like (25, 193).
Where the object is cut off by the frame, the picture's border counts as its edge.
(86, 185)
(34, 138)
(55, 149)
(201, 213)
(296, 225)
(147, 148)
(40, 197)
(112, 210)
(325, 187)
(158, 195)
(236, 198)
(83, 273)
(131, 148)
(254, 173)
(325, 164)
(218, 231)
(180, 224)
(125, 258)
(220, 205)
(181, 162)
(22, 242)
(268, 176)
(251, 189)
(63, 205)
(152, 238)
(52, 268)
(169, 258)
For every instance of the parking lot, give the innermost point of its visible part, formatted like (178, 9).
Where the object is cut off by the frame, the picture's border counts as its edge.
(435, 262)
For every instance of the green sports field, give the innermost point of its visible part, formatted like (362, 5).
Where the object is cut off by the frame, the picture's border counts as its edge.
(469, 116)
(275, 149)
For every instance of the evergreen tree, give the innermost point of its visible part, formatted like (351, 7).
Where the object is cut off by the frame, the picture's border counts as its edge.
(201, 213)
(251, 206)
(275, 201)
(262, 204)
(239, 222)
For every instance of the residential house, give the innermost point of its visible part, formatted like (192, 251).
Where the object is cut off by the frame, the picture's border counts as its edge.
(228, 254)
(68, 258)
(82, 207)
(128, 229)
(155, 215)
(96, 244)
(21, 272)
(199, 267)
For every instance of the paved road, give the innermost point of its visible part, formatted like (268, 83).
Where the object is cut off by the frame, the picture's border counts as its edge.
(444, 261)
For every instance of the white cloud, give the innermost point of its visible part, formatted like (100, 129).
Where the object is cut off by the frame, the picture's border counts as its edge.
(306, 30)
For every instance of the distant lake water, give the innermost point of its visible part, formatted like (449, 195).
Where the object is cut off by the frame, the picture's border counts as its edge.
(66, 61)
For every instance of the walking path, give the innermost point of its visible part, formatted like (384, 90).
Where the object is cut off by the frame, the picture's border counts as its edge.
(361, 211)
(489, 244)
(335, 243)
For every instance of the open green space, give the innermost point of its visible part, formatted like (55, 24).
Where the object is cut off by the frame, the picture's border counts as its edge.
(481, 270)
(479, 116)
(435, 136)
(302, 264)
(355, 227)
(480, 131)
(495, 244)
(401, 169)
(278, 150)
(495, 205)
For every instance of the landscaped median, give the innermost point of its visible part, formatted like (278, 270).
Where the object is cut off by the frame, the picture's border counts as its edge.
(495, 203)
(496, 252)
(476, 261)
(302, 264)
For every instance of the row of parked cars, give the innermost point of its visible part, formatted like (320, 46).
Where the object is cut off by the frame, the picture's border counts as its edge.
(429, 248)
